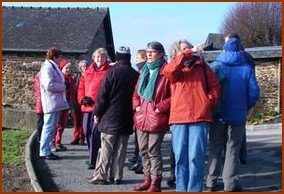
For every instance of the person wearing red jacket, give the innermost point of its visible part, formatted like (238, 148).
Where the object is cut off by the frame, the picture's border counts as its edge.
(195, 90)
(65, 67)
(87, 93)
(78, 133)
(38, 105)
(151, 103)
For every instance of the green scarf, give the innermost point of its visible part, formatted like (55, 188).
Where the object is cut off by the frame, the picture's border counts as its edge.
(146, 88)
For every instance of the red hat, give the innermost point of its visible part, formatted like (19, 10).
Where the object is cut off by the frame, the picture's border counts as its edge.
(63, 63)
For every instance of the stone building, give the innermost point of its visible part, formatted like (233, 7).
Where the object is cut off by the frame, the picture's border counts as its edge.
(27, 32)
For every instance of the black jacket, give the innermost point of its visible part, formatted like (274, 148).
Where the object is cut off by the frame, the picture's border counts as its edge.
(114, 101)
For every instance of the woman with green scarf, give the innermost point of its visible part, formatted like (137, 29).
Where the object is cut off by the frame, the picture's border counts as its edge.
(151, 103)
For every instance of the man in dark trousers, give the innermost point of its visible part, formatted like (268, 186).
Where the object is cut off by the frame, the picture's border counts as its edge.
(114, 114)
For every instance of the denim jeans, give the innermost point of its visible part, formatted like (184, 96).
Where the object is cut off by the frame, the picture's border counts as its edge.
(47, 134)
(189, 144)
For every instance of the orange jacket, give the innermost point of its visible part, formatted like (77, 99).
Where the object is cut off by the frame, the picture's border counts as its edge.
(190, 103)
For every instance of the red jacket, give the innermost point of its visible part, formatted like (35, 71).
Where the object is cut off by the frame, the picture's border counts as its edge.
(70, 89)
(190, 103)
(146, 119)
(90, 83)
(38, 105)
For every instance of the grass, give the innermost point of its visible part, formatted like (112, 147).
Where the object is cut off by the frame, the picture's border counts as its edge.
(13, 145)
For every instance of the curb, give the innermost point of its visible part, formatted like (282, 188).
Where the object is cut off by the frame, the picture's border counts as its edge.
(28, 160)
(264, 126)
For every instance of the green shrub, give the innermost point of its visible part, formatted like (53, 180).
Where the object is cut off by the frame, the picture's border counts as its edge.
(13, 145)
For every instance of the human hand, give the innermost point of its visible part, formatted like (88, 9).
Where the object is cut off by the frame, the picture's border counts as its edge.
(96, 119)
(137, 108)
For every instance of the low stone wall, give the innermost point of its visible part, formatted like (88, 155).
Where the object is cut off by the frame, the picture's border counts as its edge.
(18, 119)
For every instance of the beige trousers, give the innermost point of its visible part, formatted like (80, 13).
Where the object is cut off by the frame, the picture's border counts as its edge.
(111, 157)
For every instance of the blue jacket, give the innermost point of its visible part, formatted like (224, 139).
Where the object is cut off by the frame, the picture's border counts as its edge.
(240, 90)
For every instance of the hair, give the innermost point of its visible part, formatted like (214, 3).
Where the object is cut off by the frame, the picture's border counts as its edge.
(101, 51)
(52, 53)
(233, 35)
(175, 48)
(156, 46)
(143, 53)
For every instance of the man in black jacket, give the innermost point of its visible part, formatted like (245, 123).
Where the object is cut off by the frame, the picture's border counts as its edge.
(114, 114)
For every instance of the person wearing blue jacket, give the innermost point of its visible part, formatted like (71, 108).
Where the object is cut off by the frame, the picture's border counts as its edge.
(240, 92)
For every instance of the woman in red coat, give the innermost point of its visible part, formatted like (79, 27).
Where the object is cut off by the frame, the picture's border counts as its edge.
(38, 105)
(151, 102)
(65, 67)
(78, 134)
(87, 93)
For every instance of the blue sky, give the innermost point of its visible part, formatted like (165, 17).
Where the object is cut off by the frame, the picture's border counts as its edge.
(134, 24)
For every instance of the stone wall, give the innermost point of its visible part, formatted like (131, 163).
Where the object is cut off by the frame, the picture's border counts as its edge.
(267, 76)
(18, 72)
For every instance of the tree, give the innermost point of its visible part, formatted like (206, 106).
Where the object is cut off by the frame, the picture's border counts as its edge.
(257, 23)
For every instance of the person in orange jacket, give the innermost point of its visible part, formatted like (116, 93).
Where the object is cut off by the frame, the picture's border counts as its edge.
(195, 90)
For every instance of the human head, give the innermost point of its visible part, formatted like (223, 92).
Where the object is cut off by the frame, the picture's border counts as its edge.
(232, 35)
(82, 66)
(123, 53)
(141, 56)
(178, 47)
(155, 50)
(100, 56)
(232, 44)
(65, 67)
(54, 54)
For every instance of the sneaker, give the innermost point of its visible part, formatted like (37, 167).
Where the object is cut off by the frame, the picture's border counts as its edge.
(74, 142)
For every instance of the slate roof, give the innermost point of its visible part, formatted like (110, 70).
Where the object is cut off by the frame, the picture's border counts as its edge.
(267, 52)
(36, 28)
(214, 41)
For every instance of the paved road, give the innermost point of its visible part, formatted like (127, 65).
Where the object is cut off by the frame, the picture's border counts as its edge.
(261, 173)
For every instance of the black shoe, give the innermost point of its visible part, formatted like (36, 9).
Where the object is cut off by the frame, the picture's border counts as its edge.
(90, 166)
(98, 182)
(51, 157)
(135, 167)
(110, 180)
(237, 189)
(139, 170)
(82, 142)
(74, 142)
(171, 182)
(132, 160)
(117, 182)
(209, 189)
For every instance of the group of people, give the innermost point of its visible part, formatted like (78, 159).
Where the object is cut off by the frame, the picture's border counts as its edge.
(184, 95)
